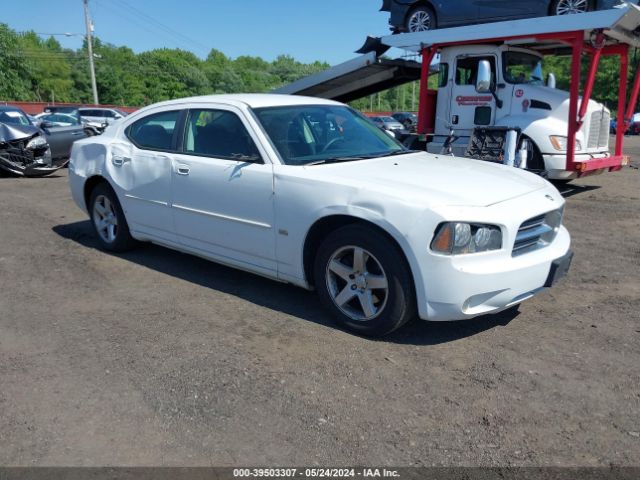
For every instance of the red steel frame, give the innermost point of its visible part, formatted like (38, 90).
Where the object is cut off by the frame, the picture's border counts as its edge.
(577, 107)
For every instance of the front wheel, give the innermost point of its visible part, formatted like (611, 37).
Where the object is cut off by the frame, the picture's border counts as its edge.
(364, 281)
(108, 220)
(569, 7)
(420, 19)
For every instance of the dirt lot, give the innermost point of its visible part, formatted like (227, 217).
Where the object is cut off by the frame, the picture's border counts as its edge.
(155, 357)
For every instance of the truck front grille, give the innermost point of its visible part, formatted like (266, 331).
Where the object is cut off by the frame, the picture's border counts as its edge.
(599, 130)
(537, 232)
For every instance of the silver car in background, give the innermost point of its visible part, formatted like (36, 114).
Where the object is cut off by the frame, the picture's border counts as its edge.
(99, 117)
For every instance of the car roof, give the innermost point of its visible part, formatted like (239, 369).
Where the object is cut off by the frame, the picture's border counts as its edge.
(253, 100)
(9, 108)
(95, 108)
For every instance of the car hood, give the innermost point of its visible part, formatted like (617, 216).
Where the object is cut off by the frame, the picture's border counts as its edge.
(433, 179)
(11, 132)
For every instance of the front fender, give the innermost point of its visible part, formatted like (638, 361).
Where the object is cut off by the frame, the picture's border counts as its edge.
(538, 129)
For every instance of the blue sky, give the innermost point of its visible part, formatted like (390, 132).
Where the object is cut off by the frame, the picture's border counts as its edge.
(327, 30)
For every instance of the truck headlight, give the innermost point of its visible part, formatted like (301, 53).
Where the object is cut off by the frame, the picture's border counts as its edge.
(458, 238)
(560, 143)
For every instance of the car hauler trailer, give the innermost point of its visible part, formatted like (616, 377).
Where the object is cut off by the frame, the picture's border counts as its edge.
(491, 78)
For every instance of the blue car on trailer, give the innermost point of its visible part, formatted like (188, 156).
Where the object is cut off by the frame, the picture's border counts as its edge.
(422, 15)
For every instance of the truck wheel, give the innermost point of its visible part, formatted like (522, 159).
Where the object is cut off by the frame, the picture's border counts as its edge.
(568, 7)
(364, 281)
(108, 220)
(420, 19)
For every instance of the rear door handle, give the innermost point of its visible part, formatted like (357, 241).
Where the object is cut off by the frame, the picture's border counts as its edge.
(182, 169)
(119, 161)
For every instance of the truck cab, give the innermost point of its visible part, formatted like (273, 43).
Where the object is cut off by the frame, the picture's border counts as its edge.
(518, 96)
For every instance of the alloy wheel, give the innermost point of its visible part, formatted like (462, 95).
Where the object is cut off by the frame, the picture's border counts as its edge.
(568, 7)
(105, 218)
(420, 21)
(357, 283)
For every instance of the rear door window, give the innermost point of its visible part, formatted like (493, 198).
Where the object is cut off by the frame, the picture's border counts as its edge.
(155, 132)
(219, 134)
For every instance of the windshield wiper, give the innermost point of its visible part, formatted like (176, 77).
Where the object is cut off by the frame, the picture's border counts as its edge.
(360, 157)
(341, 160)
(400, 152)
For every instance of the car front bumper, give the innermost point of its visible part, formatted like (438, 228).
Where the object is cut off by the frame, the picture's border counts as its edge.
(474, 285)
(461, 287)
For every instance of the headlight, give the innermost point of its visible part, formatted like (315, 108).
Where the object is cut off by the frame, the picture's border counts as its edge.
(460, 238)
(560, 143)
(36, 143)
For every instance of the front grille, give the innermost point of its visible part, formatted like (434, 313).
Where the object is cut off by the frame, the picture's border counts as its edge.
(599, 130)
(537, 232)
(605, 127)
(15, 154)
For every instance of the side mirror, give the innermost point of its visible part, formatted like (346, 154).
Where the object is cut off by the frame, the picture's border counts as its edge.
(483, 80)
(551, 80)
(45, 124)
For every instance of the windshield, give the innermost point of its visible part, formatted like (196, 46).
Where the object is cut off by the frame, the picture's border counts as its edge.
(313, 134)
(14, 117)
(520, 68)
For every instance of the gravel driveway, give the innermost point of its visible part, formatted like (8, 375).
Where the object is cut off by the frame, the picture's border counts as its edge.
(160, 358)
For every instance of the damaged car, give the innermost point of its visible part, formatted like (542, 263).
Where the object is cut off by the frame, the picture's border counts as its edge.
(25, 151)
(32, 151)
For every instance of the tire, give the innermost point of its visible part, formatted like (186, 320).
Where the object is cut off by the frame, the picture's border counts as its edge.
(346, 287)
(420, 19)
(108, 220)
(568, 7)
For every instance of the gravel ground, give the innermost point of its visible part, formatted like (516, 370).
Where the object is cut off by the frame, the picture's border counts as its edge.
(160, 358)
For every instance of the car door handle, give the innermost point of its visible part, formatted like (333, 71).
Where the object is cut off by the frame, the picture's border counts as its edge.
(182, 169)
(119, 161)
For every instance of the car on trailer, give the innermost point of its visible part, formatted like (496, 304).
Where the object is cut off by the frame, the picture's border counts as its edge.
(421, 15)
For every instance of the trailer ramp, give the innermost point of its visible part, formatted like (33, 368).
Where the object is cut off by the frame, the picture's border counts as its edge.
(356, 78)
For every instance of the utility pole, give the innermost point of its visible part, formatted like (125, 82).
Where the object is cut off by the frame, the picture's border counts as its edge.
(92, 67)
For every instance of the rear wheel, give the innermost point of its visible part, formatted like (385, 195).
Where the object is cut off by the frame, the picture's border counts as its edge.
(569, 7)
(364, 281)
(420, 19)
(108, 220)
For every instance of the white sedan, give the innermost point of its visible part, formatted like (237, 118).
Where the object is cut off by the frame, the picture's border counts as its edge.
(310, 192)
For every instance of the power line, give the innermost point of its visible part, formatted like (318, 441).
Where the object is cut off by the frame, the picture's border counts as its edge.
(163, 26)
(137, 17)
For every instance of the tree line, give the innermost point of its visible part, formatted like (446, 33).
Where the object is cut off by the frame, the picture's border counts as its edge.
(33, 68)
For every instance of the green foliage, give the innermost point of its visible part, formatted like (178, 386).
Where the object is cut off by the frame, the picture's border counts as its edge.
(15, 72)
(33, 69)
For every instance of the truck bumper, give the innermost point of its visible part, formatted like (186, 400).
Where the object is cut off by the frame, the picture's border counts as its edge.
(592, 163)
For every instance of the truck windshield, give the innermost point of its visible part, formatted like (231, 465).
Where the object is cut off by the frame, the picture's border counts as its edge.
(317, 134)
(520, 68)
